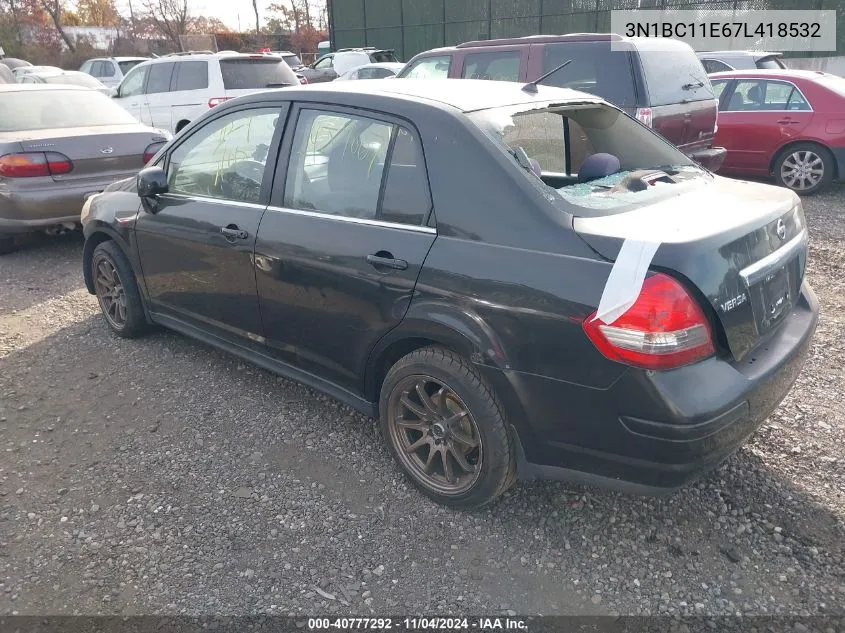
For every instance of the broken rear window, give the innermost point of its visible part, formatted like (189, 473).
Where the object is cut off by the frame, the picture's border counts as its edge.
(589, 155)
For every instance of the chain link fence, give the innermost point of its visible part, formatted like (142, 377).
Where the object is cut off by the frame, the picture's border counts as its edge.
(411, 26)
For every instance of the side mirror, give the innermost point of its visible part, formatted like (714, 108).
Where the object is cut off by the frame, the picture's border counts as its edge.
(152, 182)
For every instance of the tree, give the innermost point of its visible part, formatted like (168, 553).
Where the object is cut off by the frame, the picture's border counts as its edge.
(257, 19)
(54, 9)
(98, 13)
(297, 17)
(203, 24)
(170, 18)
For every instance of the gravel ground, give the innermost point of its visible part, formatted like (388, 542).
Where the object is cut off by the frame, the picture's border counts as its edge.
(161, 476)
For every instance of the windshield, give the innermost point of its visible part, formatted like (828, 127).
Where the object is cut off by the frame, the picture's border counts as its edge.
(47, 109)
(86, 81)
(590, 156)
(292, 60)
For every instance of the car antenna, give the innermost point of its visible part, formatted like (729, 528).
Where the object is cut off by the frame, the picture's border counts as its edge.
(532, 86)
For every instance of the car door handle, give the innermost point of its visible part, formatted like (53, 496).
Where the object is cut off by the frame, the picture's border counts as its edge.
(787, 121)
(386, 260)
(233, 232)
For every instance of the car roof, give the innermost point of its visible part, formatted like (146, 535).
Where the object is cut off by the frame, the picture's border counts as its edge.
(625, 43)
(755, 54)
(774, 73)
(40, 87)
(466, 95)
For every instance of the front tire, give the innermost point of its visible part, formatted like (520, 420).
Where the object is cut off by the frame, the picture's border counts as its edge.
(117, 291)
(447, 429)
(806, 168)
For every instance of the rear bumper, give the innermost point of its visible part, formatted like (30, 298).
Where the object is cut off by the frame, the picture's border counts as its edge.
(711, 157)
(25, 210)
(652, 432)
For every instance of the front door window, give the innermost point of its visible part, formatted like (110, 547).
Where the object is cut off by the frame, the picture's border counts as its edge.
(225, 159)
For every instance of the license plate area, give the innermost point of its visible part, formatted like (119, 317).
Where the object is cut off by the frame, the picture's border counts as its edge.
(774, 296)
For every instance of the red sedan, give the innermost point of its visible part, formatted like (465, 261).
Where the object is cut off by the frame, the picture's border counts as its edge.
(785, 123)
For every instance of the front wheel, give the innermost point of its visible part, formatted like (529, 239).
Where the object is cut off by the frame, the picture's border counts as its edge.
(447, 429)
(806, 168)
(117, 291)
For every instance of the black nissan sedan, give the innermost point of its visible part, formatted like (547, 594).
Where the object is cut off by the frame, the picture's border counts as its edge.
(516, 281)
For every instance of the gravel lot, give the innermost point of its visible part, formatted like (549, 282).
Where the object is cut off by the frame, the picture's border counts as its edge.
(160, 476)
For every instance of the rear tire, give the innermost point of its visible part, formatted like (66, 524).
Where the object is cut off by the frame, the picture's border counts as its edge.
(806, 168)
(447, 429)
(7, 244)
(117, 291)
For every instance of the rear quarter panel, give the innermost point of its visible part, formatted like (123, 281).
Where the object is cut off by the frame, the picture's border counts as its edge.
(505, 272)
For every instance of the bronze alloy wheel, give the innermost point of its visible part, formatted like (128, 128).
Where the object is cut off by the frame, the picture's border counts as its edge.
(435, 435)
(110, 291)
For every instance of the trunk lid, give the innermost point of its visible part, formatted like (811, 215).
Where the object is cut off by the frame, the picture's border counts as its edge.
(741, 246)
(99, 154)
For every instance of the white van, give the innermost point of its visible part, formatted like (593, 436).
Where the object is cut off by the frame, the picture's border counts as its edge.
(169, 92)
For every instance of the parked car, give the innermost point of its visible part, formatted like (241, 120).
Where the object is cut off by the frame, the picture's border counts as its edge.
(65, 77)
(111, 70)
(169, 92)
(291, 59)
(720, 61)
(783, 123)
(658, 81)
(331, 66)
(430, 254)
(372, 71)
(58, 145)
(21, 71)
(13, 62)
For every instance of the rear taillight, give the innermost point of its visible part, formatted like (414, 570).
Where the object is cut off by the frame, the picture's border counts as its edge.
(664, 329)
(302, 79)
(34, 164)
(645, 116)
(216, 101)
(151, 151)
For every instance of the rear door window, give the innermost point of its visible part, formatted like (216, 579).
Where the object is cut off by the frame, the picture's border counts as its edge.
(159, 78)
(674, 77)
(191, 76)
(495, 65)
(595, 68)
(430, 68)
(337, 163)
(758, 95)
(256, 74)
